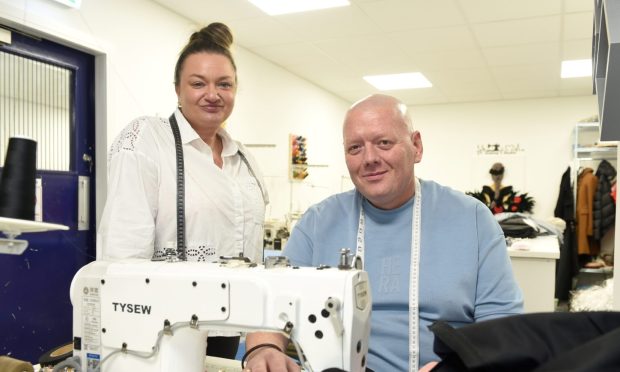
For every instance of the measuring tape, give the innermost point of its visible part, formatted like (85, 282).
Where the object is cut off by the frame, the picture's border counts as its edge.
(413, 271)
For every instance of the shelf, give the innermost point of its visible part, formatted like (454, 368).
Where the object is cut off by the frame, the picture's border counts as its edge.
(595, 153)
(587, 144)
(16, 226)
(602, 270)
(12, 227)
(591, 125)
(597, 149)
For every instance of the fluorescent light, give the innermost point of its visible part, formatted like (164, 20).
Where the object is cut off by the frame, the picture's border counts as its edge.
(409, 80)
(72, 3)
(275, 7)
(576, 68)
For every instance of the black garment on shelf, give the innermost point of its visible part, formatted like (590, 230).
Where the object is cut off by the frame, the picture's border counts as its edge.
(604, 208)
(537, 342)
(516, 227)
(567, 267)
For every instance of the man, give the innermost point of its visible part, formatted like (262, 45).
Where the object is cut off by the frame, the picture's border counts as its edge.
(418, 237)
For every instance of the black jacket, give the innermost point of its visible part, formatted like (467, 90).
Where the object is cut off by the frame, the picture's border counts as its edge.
(568, 264)
(604, 209)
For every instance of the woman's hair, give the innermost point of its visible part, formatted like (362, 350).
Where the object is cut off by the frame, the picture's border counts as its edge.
(215, 38)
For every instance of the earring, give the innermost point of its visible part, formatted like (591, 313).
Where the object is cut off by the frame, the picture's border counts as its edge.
(179, 105)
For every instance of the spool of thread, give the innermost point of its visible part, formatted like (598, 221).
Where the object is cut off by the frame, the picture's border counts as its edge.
(8, 364)
(56, 355)
(17, 185)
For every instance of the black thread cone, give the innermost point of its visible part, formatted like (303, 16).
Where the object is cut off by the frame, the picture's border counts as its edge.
(17, 185)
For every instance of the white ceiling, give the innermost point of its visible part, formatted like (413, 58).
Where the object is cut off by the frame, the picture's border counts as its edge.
(471, 50)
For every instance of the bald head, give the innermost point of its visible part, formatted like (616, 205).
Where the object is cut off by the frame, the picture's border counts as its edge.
(381, 104)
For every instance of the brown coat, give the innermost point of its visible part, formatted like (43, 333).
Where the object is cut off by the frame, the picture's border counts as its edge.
(586, 187)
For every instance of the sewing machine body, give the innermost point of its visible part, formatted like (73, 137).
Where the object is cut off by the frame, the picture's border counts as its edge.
(155, 316)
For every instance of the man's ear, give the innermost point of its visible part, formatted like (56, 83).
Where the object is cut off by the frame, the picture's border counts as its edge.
(416, 139)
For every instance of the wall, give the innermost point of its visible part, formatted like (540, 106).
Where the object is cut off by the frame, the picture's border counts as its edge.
(135, 60)
(271, 104)
(543, 128)
(135, 63)
(136, 56)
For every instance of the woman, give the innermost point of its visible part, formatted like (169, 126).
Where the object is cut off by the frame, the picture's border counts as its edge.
(222, 194)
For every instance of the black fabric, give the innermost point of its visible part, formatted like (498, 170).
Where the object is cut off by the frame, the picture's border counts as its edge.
(516, 227)
(538, 342)
(222, 346)
(567, 266)
(604, 207)
(600, 354)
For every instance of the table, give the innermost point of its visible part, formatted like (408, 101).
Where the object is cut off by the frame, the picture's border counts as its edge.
(533, 263)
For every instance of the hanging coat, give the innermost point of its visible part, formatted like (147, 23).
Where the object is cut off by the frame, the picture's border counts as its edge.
(604, 208)
(568, 264)
(586, 187)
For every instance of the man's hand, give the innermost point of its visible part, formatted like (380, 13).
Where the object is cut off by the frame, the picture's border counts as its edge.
(428, 367)
(270, 360)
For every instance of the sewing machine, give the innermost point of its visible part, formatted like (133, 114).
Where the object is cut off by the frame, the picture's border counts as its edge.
(155, 316)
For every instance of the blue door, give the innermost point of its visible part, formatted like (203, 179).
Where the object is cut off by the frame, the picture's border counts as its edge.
(47, 93)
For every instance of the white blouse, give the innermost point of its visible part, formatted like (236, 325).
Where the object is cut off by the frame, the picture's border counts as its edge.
(224, 208)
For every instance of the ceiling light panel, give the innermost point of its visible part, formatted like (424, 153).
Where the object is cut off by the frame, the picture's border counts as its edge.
(277, 7)
(409, 80)
(576, 68)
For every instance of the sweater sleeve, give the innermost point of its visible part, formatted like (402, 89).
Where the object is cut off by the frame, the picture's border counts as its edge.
(497, 292)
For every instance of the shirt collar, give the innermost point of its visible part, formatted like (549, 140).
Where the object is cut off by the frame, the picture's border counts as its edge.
(188, 134)
(230, 146)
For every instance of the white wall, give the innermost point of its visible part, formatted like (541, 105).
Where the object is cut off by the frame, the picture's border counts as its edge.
(271, 104)
(136, 56)
(543, 128)
(137, 42)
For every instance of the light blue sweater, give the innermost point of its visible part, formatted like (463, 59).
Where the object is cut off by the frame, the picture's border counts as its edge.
(465, 272)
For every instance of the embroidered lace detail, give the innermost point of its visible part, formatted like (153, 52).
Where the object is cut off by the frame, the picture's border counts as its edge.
(158, 254)
(200, 253)
(126, 140)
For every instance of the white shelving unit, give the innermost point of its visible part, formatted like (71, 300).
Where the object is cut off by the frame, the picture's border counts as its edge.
(587, 144)
(588, 151)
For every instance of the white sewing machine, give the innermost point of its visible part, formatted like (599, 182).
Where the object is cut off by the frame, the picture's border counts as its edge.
(154, 316)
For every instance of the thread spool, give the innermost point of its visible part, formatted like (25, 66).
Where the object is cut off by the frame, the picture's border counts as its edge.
(8, 364)
(56, 355)
(17, 185)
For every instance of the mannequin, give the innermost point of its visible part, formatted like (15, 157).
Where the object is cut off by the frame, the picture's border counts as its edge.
(497, 197)
(500, 198)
